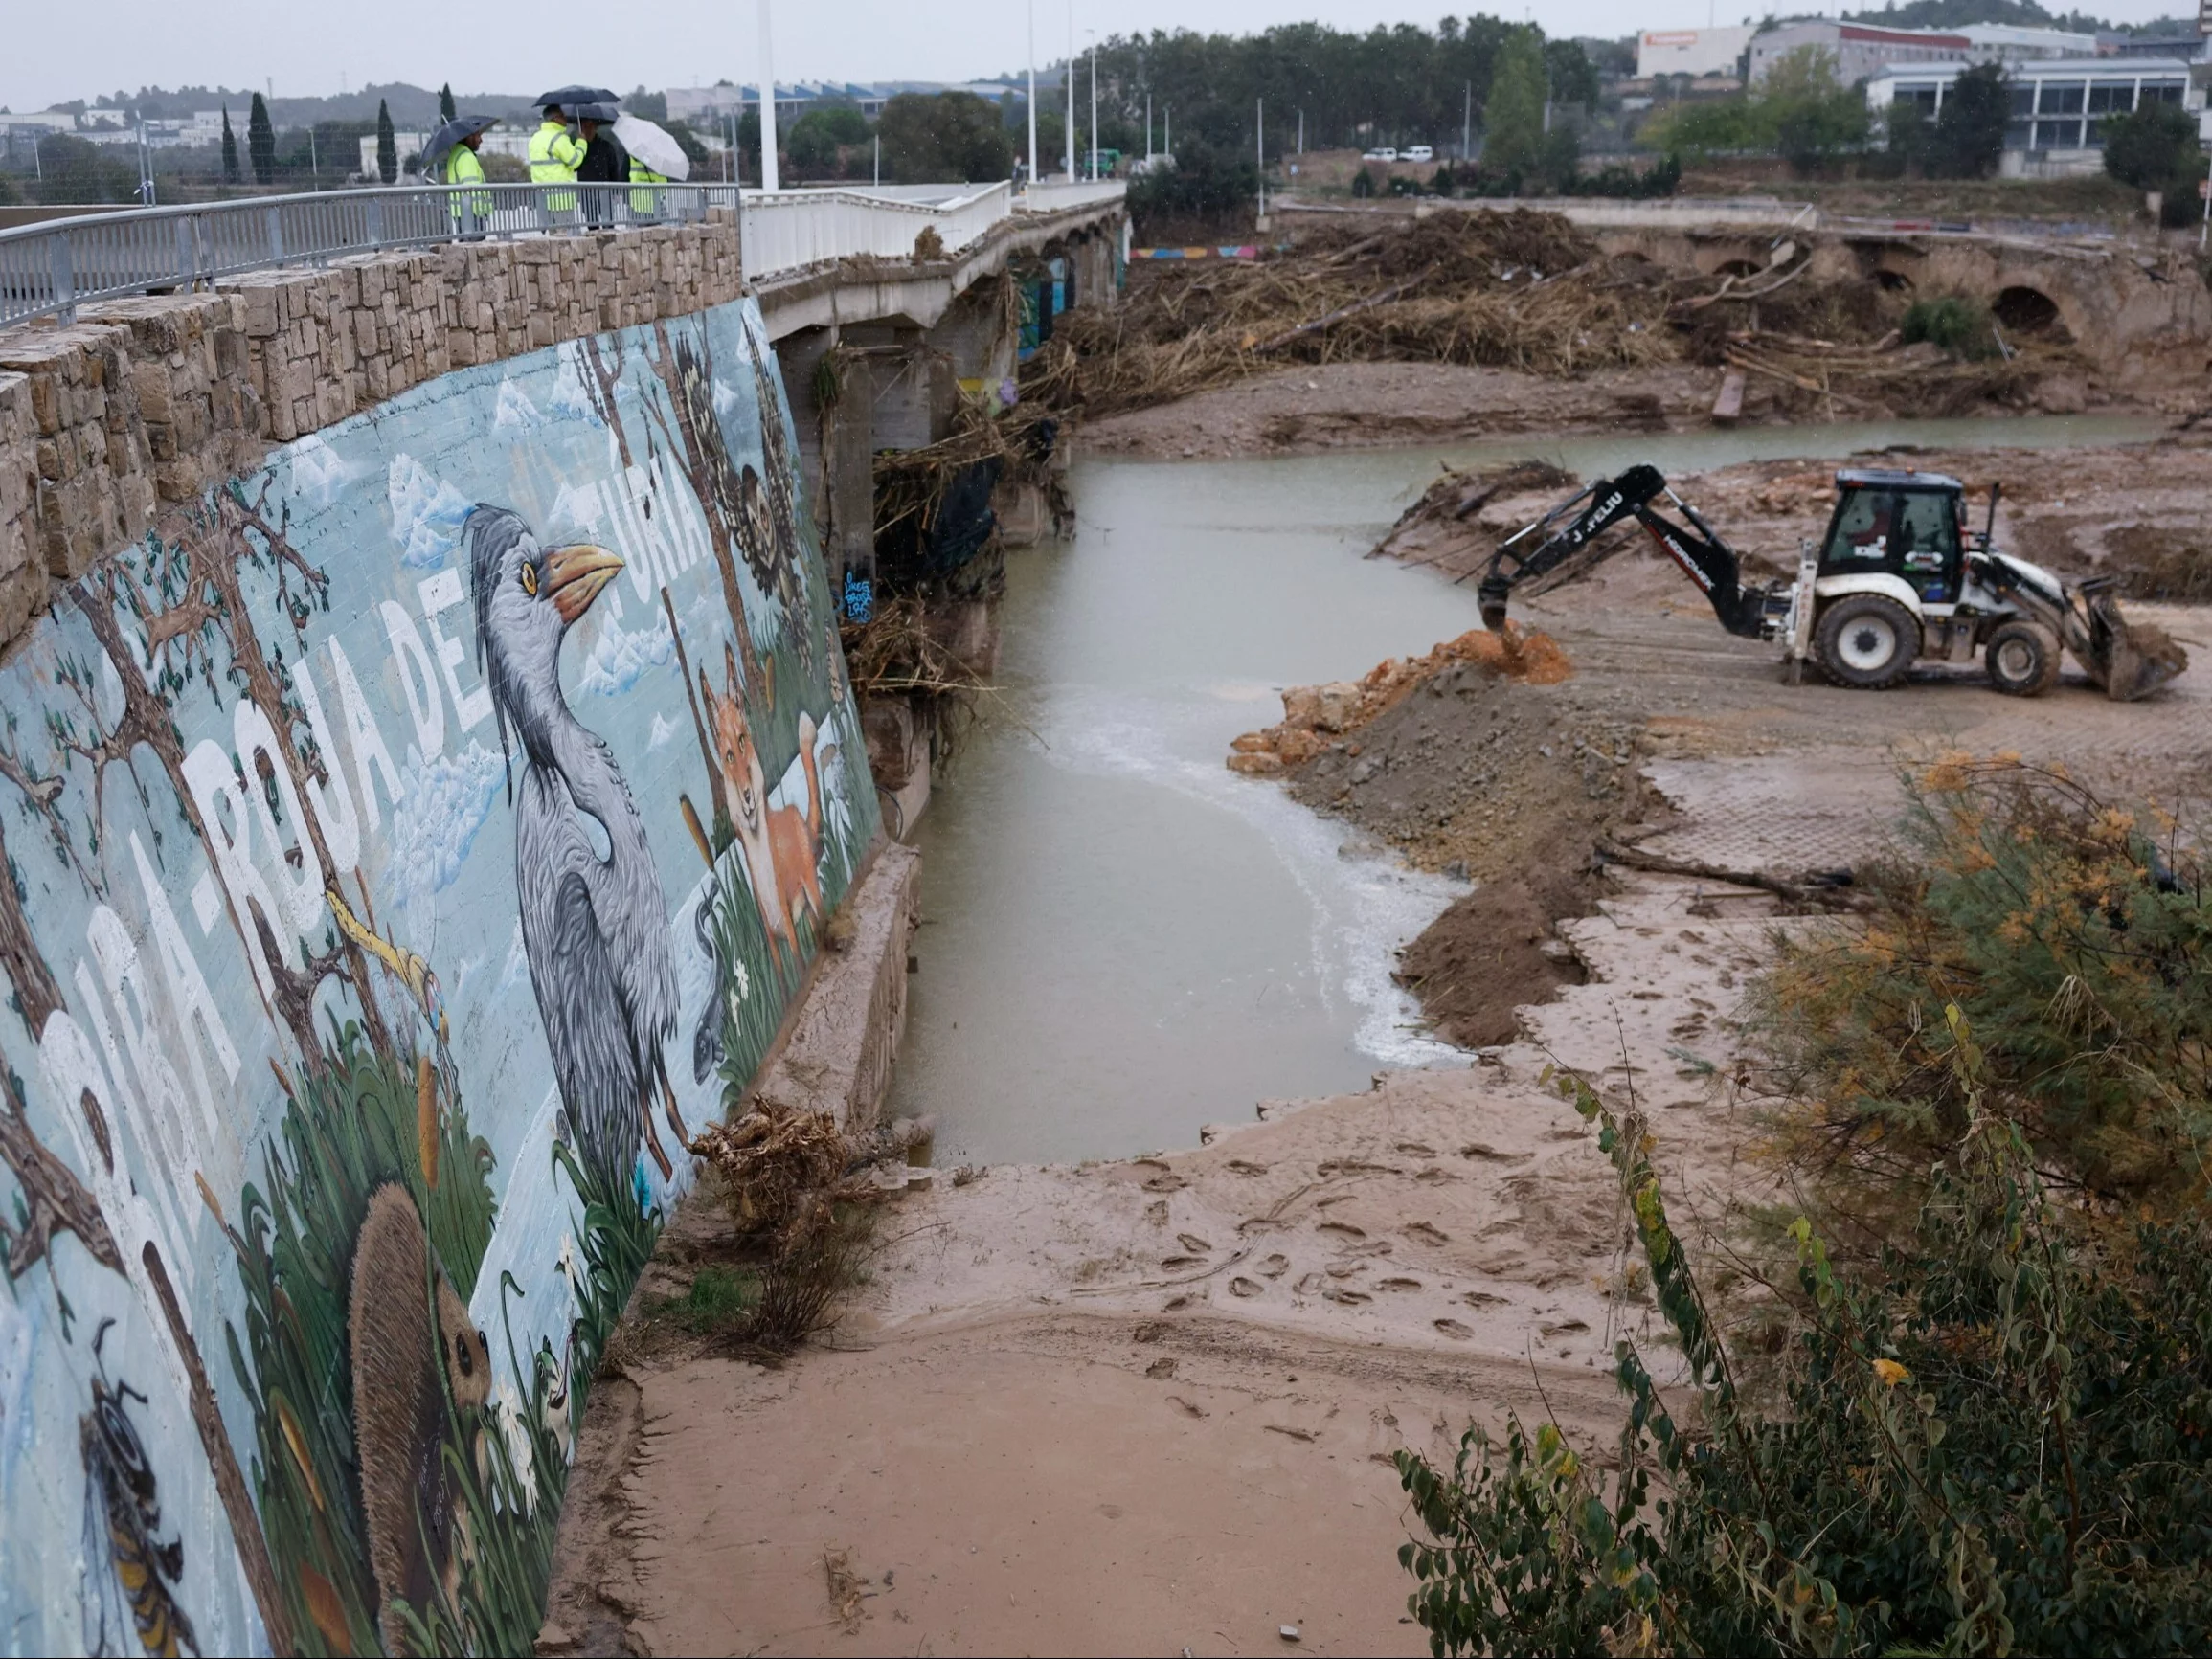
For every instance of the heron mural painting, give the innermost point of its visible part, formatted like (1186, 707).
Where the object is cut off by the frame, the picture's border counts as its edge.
(408, 846)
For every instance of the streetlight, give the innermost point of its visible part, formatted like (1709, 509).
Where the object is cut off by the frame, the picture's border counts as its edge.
(1093, 35)
(767, 101)
(1068, 76)
(1032, 179)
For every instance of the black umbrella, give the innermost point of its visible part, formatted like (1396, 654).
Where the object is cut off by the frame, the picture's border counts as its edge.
(604, 113)
(568, 96)
(442, 141)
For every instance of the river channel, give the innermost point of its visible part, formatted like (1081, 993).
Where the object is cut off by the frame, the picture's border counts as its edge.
(1123, 940)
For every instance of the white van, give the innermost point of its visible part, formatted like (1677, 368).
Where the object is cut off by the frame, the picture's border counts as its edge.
(1418, 152)
(1380, 155)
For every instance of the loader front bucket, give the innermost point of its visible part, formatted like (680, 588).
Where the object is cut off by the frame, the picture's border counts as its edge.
(2137, 657)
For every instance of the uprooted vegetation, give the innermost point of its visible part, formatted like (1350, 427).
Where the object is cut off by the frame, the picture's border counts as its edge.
(1520, 290)
(800, 1200)
(1980, 1422)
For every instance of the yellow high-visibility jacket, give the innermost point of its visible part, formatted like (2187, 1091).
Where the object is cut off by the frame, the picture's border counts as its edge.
(554, 158)
(461, 167)
(646, 204)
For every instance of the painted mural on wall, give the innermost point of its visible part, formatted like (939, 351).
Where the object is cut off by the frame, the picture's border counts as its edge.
(406, 848)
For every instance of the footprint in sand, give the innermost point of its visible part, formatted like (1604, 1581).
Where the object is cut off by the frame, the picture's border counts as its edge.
(1156, 1212)
(1349, 1298)
(1274, 1267)
(1427, 1234)
(1397, 1284)
(1483, 1299)
(1243, 1287)
(1244, 1167)
(1344, 1227)
(1161, 1369)
(1171, 1264)
(1452, 1329)
(1311, 1285)
(1192, 1242)
(1414, 1148)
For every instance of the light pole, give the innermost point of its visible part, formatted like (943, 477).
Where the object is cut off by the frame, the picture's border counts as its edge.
(767, 101)
(1068, 74)
(1094, 33)
(1033, 92)
(1148, 129)
(1259, 154)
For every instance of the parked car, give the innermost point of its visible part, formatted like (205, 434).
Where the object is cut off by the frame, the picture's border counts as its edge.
(1380, 155)
(1418, 152)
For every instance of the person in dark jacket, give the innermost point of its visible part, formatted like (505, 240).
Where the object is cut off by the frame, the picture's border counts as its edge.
(605, 161)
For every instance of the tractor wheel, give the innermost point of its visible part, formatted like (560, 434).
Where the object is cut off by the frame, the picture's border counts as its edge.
(2023, 658)
(1866, 641)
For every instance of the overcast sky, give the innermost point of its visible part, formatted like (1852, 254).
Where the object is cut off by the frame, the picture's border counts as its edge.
(82, 50)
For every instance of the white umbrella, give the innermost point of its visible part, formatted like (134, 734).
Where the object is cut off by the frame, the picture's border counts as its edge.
(653, 145)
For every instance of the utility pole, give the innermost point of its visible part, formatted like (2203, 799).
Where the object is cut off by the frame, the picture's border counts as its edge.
(1094, 33)
(1148, 128)
(1259, 152)
(879, 153)
(1067, 76)
(767, 101)
(1467, 123)
(1032, 105)
(1301, 132)
(314, 160)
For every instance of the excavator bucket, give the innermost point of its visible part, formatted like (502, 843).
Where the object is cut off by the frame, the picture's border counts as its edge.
(2130, 658)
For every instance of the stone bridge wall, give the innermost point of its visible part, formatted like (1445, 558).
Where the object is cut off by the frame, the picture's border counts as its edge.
(2139, 315)
(148, 402)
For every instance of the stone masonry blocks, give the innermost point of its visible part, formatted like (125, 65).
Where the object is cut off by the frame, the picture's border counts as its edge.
(144, 404)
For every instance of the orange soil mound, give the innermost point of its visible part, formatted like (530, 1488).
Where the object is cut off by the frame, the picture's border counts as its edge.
(1316, 715)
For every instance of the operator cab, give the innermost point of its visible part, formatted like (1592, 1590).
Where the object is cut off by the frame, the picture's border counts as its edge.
(1907, 524)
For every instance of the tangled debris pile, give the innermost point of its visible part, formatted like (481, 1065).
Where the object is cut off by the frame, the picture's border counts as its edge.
(1520, 290)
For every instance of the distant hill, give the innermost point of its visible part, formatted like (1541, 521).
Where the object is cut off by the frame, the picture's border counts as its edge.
(412, 107)
(2020, 13)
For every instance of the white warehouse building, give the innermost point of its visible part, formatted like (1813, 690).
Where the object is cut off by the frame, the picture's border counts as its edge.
(2059, 104)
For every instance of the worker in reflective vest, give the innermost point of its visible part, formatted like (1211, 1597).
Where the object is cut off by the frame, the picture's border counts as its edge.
(645, 203)
(553, 155)
(461, 167)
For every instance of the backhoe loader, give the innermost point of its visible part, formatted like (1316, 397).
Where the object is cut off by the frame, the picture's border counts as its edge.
(1897, 578)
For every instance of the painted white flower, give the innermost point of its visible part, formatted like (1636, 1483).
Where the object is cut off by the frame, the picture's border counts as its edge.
(514, 1427)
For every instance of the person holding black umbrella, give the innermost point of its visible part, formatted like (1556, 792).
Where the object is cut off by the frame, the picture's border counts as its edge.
(604, 162)
(450, 157)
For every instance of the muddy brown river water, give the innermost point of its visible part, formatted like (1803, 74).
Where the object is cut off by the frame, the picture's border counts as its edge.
(1122, 940)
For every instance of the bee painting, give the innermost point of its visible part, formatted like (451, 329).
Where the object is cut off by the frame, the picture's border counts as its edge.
(130, 1593)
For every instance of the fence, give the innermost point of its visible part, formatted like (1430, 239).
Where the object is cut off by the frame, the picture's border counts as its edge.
(794, 229)
(53, 268)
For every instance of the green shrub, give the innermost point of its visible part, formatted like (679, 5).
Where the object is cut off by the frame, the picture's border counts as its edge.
(1961, 326)
(2078, 945)
(1998, 1442)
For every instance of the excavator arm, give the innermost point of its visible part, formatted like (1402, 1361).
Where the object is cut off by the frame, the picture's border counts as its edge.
(1545, 546)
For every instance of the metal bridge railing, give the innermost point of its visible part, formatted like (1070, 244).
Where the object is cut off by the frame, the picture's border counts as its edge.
(51, 269)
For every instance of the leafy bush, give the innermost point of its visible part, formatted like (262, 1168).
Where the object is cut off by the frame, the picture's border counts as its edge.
(1204, 193)
(1997, 1443)
(2064, 932)
(2147, 147)
(1968, 138)
(1959, 324)
(931, 138)
(1800, 112)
